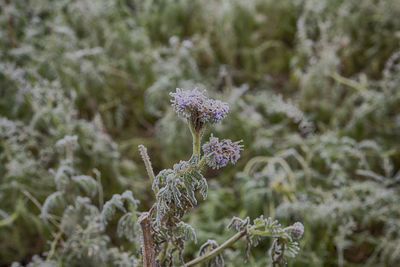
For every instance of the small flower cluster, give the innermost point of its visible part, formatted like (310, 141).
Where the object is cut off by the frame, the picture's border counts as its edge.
(296, 230)
(220, 153)
(194, 104)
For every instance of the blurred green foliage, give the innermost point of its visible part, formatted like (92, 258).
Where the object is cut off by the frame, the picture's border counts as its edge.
(313, 87)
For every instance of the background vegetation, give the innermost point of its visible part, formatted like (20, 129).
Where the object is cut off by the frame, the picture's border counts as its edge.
(313, 87)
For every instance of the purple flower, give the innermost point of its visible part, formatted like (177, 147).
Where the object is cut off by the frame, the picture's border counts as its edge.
(219, 110)
(194, 105)
(220, 153)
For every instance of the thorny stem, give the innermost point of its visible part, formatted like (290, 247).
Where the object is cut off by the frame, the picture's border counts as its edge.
(217, 250)
(147, 241)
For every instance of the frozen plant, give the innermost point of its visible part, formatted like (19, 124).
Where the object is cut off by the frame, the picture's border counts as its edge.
(162, 230)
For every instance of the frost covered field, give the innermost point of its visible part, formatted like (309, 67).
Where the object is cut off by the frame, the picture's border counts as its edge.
(199, 133)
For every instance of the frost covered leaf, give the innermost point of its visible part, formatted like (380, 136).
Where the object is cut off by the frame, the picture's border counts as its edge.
(117, 203)
(187, 231)
(79, 213)
(292, 249)
(128, 196)
(207, 247)
(111, 206)
(239, 224)
(87, 183)
(127, 226)
(63, 176)
(177, 188)
(53, 201)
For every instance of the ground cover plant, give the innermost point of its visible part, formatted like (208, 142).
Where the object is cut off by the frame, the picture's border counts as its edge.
(313, 91)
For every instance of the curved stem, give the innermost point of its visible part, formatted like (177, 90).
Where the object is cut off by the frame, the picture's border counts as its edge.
(9, 220)
(217, 250)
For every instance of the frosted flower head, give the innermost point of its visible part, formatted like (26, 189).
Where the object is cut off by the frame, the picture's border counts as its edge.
(218, 109)
(296, 230)
(220, 153)
(194, 105)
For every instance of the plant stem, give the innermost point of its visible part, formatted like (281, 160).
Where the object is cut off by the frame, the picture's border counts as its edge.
(100, 187)
(9, 220)
(196, 134)
(217, 250)
(196, 144)
(10, 30)
(201, 162)
(53, 246)
(163, 253)
(148, 252)
(147, 163)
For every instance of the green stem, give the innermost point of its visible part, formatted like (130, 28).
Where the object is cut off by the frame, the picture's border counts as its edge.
(254, 231)
(217, 250)
(196, 139)
(263, 233)
(9, 220)
(99, 187)
(201, 162)
(196, 145)
(53, 246)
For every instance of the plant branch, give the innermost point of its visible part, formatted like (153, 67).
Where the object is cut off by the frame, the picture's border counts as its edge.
(163, 253)
(53, 246)
(148, 252)
(217, 250)
(201, 162)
